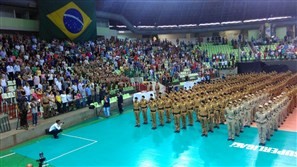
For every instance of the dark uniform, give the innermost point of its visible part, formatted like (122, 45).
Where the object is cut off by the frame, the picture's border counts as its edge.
(23, 107)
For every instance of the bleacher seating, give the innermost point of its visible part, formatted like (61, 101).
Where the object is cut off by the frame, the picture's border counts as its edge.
(215, 49)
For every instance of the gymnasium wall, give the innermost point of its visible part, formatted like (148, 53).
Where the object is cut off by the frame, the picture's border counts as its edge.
(253, 34)
(281, 32)
(231, 34)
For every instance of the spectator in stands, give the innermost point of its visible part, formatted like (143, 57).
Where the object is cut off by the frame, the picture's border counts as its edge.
(88, 94)
(106, 106)
(70, 101)
(18, 81)
(10, 71)
(77, 98)
(64, 102)
(45, 105)
(18, 92)
(34, 111)
(3, 83)
(58, 102)
(56, 128)
(52, 104)
(102, 93)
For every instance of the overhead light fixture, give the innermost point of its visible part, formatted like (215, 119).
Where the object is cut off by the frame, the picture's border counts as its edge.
(110, 26)
(278, 18)
(231, 22)
(187, 25)
(121, 32)
(254, 20)
(167, 26)
(121, 26)
(209, 24)
(145, 26)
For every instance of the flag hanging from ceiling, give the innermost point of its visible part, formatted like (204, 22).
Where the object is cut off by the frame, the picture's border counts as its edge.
(62, 19)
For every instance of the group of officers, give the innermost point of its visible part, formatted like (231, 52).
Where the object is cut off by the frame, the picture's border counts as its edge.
(236, 101)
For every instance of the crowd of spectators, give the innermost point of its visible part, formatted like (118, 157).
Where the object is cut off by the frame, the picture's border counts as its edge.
(71, 75)
(64, 75)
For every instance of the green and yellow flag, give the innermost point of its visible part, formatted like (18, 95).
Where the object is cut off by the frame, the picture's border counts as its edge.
(62, 19)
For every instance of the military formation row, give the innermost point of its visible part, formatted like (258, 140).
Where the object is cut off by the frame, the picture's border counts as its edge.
(234, 101)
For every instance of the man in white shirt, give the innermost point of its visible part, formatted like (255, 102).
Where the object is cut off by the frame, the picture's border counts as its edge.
(17, 68)
(59, 85)
(10, 71)
(56, 128)
(3, 84)
(74, 87)
(27, 90)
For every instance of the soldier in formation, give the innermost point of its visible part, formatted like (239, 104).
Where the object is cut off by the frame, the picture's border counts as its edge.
(238, 100)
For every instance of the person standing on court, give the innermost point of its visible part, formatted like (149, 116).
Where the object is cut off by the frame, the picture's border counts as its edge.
(153, 109)
(230, 120)
(168, 104)
(143, 105)
(197, 107)
(136, 106)
(216, 110)
(106, 106)
(160, 105)
(261, 120)
(247, 110)
(237, 118)
(203, 117)
(210, 108)
(190, 105)
(183, 108)
(269, 131)
(176, 115)
(120, 101)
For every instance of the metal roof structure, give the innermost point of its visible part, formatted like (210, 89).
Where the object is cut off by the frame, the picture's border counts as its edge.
(181, 12)
(172, 16)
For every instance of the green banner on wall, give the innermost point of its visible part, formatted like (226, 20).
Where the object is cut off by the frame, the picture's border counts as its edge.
(66, 19)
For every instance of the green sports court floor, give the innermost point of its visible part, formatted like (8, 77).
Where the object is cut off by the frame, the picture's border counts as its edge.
(116, 142)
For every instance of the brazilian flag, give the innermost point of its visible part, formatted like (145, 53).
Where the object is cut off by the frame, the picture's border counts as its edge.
(66, 19)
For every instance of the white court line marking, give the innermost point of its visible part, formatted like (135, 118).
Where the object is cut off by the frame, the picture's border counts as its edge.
(80, 138)
(7, 155)
(71, 151)
(93, 142)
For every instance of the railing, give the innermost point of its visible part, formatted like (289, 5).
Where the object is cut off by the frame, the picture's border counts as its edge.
(9, 106)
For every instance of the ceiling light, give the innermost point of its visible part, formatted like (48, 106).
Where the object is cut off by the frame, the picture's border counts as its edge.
(254, 20)
(278, 18)
(231, 22)
(209, 24)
